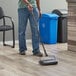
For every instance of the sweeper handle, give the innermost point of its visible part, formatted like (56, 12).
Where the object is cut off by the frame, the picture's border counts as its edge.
(39, 34)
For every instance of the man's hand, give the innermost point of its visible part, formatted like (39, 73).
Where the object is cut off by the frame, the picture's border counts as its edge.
(39, 14)
(30, 7)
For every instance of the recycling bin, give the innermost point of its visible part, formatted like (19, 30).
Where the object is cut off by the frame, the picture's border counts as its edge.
(48, 25)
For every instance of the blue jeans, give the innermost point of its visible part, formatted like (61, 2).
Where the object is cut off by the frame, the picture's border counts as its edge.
(23, 15)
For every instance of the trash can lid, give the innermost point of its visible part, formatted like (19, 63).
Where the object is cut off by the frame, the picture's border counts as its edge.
(60, 12)
(50, 15)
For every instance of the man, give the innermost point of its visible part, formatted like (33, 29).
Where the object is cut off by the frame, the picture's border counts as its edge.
(26, 7)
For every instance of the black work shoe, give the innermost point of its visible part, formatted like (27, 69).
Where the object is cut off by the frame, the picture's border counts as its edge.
(39, 54)
(22, 53)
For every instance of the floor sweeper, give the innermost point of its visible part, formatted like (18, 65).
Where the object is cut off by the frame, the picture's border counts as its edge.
(47, 59)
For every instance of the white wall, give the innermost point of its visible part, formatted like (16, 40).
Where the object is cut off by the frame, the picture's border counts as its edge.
(49, 5)
(10, 8)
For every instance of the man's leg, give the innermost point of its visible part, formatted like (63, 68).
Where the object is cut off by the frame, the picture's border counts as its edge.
(23, 17)
(35, 34)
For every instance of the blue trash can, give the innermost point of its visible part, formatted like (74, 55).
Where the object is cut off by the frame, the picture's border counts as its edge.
(48, 25)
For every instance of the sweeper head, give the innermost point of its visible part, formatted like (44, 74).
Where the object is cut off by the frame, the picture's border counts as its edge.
(48, 60)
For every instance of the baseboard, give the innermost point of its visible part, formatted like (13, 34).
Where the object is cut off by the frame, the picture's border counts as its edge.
(16, 41)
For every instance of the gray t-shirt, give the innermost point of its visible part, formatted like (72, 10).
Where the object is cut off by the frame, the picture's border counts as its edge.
(22, 4)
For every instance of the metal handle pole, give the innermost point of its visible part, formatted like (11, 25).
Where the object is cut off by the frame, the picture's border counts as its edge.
(39, 34)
